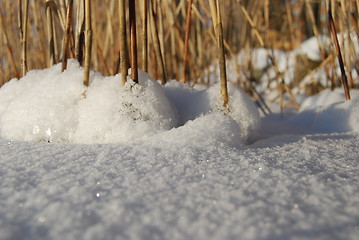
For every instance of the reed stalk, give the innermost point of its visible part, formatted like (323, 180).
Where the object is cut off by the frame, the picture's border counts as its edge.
(88, 42)
(133, 37)
(23, 17)
(160, 28)
(109, 36)
(39, 29)
(67, 35)
(144, 36)
(338, 52)
(80, 27)
(290, 23)
(9, 49)
(20, 23)
(25, 40)
(156, 43)
(185, 54)
(50, 34)
(316, 34)
(3, 75)
(217, 24)
(123, 42)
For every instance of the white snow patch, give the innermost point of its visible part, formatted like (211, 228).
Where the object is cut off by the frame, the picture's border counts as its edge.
(50, 106)
(47, 105)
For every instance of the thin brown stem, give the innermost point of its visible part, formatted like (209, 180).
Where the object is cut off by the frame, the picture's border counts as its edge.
(185, 54)
(67, 35)
(24, 41)
(144, 36)
(157, 47)
(50, 35)
(79, 43)
(217, 24)
(9, 49)
(88, 42)
(123, 42)
(339, 54)
(133, 47)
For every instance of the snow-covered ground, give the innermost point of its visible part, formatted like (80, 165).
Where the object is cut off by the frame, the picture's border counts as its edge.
(152, 162)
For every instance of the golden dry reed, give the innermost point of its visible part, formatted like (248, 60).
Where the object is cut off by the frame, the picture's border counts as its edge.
(176, 38)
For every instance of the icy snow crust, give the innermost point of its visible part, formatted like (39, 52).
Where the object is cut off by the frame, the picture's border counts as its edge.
(179, 169)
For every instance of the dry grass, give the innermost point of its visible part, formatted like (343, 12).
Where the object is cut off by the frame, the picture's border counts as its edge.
(246, 25)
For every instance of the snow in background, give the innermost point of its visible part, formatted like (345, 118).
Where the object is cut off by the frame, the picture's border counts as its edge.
(173, 166)
(329, 112)
(286, 63)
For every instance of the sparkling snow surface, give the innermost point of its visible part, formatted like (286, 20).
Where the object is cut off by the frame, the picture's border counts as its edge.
(185, 171)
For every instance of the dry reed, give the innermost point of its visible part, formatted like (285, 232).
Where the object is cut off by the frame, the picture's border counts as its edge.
(88, 42)
(247, 25)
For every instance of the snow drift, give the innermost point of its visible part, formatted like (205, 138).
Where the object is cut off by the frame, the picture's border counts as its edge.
(328, 112)
(53, 106)
(179, 169)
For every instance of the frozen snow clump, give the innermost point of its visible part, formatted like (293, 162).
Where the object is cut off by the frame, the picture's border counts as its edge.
(210, 130)
(241, 108)
(50, 105)
(192, 104)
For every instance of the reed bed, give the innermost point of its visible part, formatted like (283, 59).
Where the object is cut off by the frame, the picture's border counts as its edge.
(176, 39)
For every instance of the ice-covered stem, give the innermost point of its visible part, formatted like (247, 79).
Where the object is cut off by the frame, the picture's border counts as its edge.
(185, 54)
(338, 51)
(133, 46)
(218, 29)
(8, 48)
(123, 42)
(67, 35)
(156, 43)
(88, 42)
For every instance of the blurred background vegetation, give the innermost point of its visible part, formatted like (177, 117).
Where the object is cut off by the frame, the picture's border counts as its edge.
(247, 24)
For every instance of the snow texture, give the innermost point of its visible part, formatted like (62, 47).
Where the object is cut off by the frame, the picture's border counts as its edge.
(173, 166)
(50, 106)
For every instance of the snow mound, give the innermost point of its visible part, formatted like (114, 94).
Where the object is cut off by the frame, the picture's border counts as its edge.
(47, 105)
(241, 108)
(211, 130)
(327, 112)
(325, 98)
(113, 113)
(53, 106)
(193, 104)
(42, 106)
(311, 48)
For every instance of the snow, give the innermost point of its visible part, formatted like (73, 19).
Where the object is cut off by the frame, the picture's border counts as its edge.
(47, 105)
(286, 61)
(168, 162)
